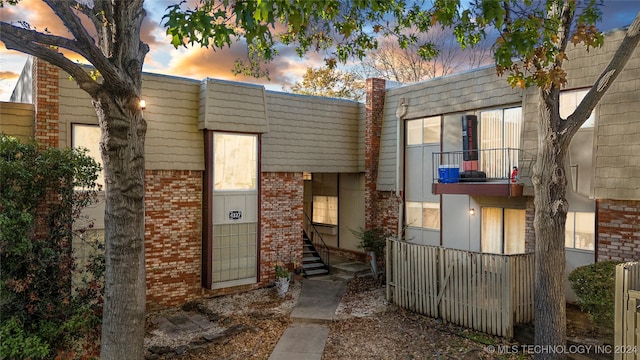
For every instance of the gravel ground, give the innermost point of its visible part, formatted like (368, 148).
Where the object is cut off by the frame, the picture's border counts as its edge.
(367, 327)
(259, 318)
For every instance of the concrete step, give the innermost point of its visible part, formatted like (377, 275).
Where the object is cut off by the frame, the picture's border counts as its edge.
(316, 272)
(352, 269)
(312, 265)
(311, 258)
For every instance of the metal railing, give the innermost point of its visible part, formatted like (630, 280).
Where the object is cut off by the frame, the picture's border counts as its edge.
(316, 239)
(479, 165)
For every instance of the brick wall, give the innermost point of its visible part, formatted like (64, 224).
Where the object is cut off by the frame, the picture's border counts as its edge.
(618, 230)
(45, 101)
(281, 216)
(381, 208)
(173, 221)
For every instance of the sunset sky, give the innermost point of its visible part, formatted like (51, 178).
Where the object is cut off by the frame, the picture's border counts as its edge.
(199, 63)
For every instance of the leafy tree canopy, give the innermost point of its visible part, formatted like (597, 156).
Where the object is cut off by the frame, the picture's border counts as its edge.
(330, 82)
(530, 46)
(345, 28)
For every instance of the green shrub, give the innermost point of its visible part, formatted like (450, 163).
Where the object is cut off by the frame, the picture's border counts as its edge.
(16, 344)
(42, 195)
(374, 239)
(595, 287)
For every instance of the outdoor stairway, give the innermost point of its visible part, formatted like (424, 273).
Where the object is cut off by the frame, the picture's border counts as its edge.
(312, 264)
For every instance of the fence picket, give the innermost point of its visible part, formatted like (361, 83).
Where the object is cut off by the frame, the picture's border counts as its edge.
(433, 285)
(627, 318)
(485, 292)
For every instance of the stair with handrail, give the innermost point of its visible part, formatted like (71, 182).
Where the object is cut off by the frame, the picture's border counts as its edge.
(315, 258)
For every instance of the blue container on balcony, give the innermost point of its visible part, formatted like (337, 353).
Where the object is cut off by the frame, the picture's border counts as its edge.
(448, 174)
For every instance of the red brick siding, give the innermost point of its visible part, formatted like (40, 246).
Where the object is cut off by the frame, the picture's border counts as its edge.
(173, 221)
(387, 211)
(381, 208)
(281, 215)
(618, 230)
(348, 254)
(45, 100)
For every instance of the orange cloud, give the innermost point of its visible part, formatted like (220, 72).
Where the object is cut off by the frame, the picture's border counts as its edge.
(8, 75)
(37, 14)
(163, 57)
(200, 63)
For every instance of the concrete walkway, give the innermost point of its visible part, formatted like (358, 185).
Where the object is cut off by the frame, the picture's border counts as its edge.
(305, 338)
(319, 298)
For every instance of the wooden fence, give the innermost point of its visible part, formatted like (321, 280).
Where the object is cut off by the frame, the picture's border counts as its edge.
(486, 292)
(627, 316)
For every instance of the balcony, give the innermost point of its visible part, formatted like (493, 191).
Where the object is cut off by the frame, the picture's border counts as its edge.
(486, 172)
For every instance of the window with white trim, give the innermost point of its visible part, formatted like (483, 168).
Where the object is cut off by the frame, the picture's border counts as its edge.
(503, 230)
(569, 101)
(235, 161)
(424, 215)
(423, 131)
(499, 129)
(88, 137)
(580, 230)
(325, 209)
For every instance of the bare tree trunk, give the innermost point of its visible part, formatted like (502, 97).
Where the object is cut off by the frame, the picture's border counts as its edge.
(550, 184)
(122, 144)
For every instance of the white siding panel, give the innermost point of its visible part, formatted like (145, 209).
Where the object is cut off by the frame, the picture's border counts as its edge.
(233, 106)
(74, 108)
(16, 119)
(314, 134)
(617, 128)
(468, 91)
(173, 140)
(617, 168)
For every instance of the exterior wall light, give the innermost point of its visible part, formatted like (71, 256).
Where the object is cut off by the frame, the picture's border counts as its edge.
(143, 104)
(472, 211)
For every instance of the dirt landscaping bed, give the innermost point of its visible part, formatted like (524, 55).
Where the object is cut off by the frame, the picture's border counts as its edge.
(249, 325)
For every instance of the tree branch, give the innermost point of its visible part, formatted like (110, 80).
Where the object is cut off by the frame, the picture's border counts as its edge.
(610, 73)
(40, 38)
(566, 16)
(39, 45)
(100, 15)
(64, 10)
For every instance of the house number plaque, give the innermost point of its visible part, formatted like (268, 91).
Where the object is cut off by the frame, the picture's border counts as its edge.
(235, 215)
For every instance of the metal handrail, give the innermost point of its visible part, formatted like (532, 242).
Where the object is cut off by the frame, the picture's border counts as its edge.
(321, 247)
(494, 164)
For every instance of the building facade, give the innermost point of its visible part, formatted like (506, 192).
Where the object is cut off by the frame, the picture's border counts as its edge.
(233, 170)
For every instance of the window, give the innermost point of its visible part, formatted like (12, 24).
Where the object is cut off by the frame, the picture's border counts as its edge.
(580, 230)
(503, 230)
(88, 137)
(569, 101)
(424, 215)
(235, 162)
(500, 129)
(325, 210)
(423, 131)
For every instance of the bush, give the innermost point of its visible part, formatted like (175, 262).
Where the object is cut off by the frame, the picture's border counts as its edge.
(374, 239)
(16, 344)
(595, 287)
(43, 192)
